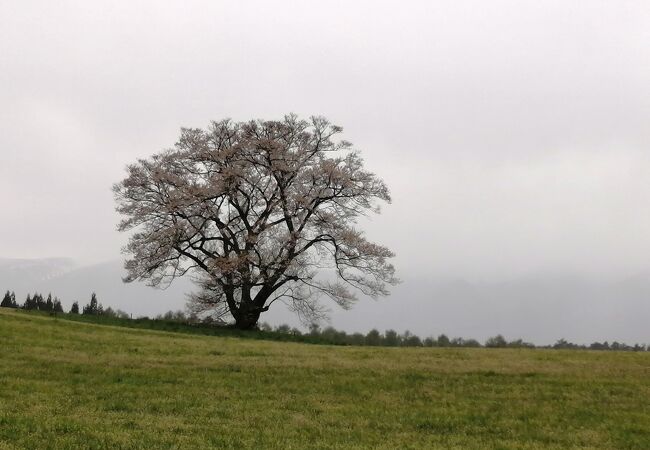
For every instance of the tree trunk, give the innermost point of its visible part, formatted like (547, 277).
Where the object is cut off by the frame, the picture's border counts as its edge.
(246, 319)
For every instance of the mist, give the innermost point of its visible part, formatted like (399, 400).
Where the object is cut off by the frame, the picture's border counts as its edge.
(513, 135)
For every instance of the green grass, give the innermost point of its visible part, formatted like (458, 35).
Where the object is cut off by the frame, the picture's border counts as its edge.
(67, 384)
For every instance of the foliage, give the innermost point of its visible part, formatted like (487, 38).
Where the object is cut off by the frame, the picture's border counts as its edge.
(497, 341)
(94, 308)
(9, 300)
(254, 211)
(37, 303)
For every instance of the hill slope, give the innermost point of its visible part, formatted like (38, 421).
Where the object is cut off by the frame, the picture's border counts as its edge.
(76, 385)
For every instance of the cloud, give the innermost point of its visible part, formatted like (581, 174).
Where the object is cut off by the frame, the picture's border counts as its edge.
(513, 134)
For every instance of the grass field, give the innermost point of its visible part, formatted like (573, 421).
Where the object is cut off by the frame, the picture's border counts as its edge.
(67, 385)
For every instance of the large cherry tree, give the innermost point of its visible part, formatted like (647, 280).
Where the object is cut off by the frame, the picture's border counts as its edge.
(256, 212)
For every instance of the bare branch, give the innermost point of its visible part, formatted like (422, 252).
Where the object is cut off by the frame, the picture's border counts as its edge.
(251, 211)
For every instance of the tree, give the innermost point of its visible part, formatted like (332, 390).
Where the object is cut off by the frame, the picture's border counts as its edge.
(373, 337)
(94, 308)
(497, 341)
(28, 303)
(6, 301)
(391, 338)
(39, 302)
(411, 340)
(36, 302)
(443, 341)
(57, 307)
(252, 211)
(356, 339)
(49, 304)
(75, 308)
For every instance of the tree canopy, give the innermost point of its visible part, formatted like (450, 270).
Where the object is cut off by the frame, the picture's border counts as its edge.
(254, 211)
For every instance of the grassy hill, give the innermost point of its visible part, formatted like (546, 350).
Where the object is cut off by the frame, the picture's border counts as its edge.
(69, 384)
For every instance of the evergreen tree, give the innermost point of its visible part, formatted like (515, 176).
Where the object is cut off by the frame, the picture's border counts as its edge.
(14, 304)
(6, 301)
(75, 308)
(49, 304)
(94, 308)
(29, 303)
(56, 306)
(39, 302)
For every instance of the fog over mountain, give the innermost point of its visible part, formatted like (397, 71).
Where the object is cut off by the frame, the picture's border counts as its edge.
(24, 273)
(541, 308)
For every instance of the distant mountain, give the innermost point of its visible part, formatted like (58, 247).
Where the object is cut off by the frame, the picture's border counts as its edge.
(541, 308)
(23, 274)
(63, 278)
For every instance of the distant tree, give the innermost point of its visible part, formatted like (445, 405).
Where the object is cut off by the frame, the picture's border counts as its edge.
(391, 338)
(49, 304)
(471, 343)
(314, 329)
(29, 303)
(429, 342)
(373, 338)
(254, 210)
(456, 342)
(172, 316)
(56, 306)
(620, 346)
(42, 303)
(94, 308)
(519, 343)
(411, 340)
(75, 308)
(165, 316)
(564, 344)
(37, 302)
(443, 341)
(6, 301)
(356, 339)
(497, 341)
(333, 335)
(179, 316)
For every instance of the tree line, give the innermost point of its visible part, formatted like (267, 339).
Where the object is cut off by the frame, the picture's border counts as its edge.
(37, 302)
(389, 338)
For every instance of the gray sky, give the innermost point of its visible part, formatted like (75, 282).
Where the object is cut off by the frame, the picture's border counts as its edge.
(514, 134)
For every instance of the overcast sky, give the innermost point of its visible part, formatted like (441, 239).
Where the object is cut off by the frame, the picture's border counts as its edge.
(514, 135)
